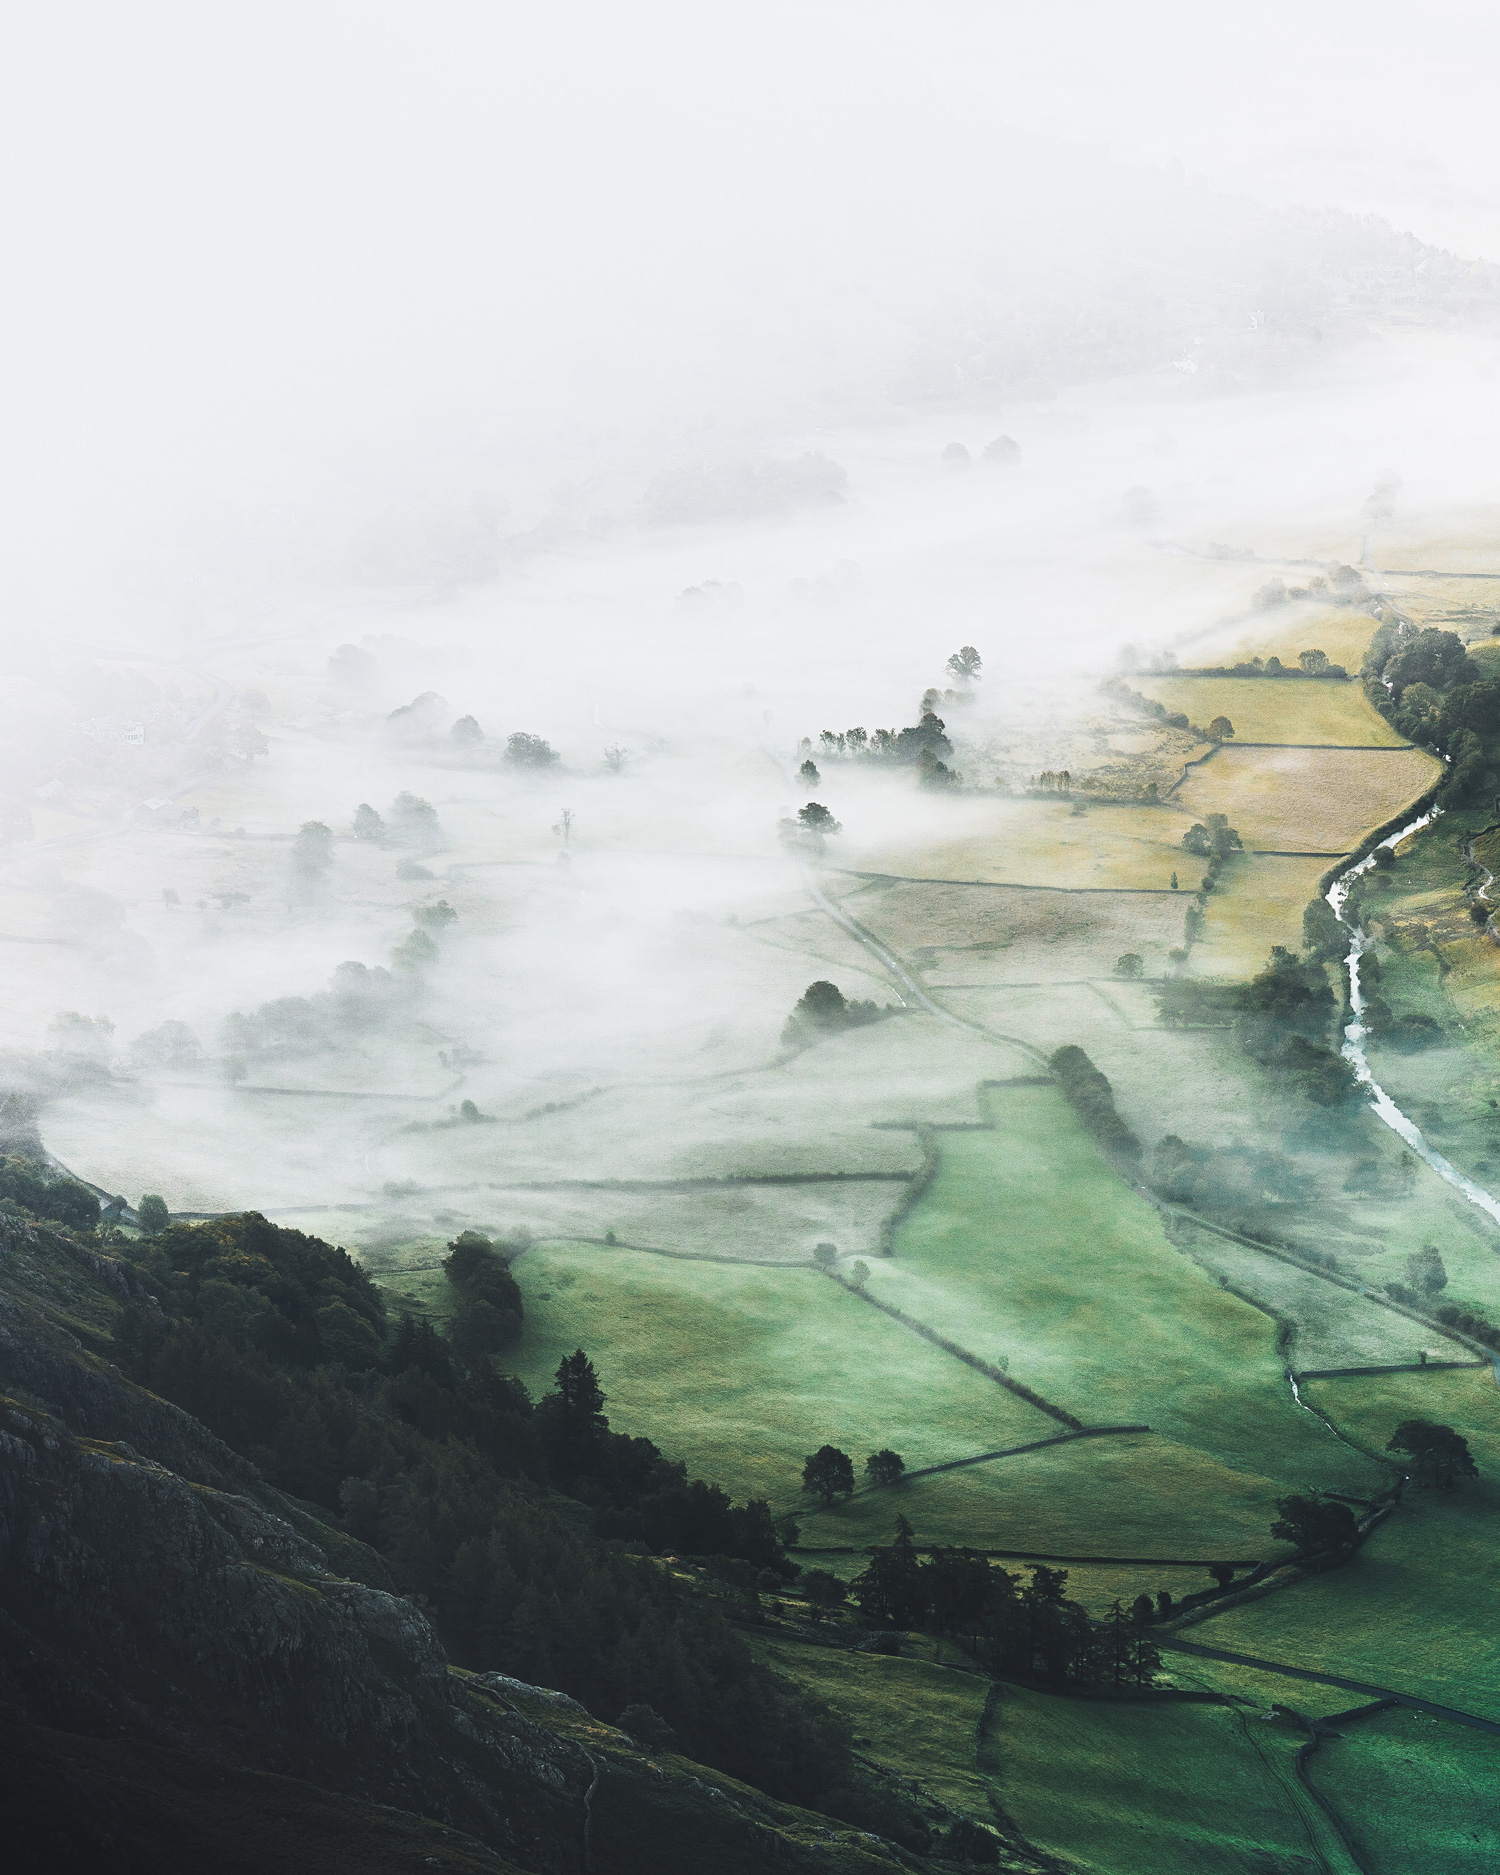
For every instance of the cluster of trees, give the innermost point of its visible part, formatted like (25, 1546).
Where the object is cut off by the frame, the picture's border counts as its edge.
(1092, 1099)
(1314, 1524)
(1028, 1628)
(1478, 1326)
(1409, 1032)
(923, 746)
(1212, 838)
(1343, 586)
(1435, 693)
(1121, 692)
(409, 821)
(358, 997)
(1440, 1454)
(1223, 1179)
(1281, 1016)
(1309, 664)
(823, 1009)
(441, 1464)
(829, 1473)
(1426, 1276)
(490, 1313)
(28, 1184)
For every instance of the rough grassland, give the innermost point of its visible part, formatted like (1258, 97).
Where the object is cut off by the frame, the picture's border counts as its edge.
(1027, 1246)
(911, 1715)
(1259, 902)
(1403, 1613)
(742, 1372)
(1306, 800)
(1416, 1795)
(1035, 843)
(1267, 709)
(1170, 1788)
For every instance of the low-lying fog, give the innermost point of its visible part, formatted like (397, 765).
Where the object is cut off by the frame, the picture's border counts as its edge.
(1090, 424)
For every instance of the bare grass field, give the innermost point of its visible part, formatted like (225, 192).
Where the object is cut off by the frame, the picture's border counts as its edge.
(1270, 709)
(1415, 1795)
(1307, 800)
(1343, 632)
(1160, 1788)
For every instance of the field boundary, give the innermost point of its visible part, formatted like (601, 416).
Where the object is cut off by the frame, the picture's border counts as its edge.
(1329, 1679)
(987, 1368)
(1016, 885)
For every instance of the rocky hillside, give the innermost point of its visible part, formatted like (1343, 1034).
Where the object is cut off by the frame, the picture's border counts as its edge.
(196, 1671)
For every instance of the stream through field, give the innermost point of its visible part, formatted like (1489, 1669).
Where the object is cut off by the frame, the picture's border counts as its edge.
(1355, 1034)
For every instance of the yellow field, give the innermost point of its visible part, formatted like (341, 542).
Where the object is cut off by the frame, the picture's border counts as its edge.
(1260, 903)
(1033, 843)
(1307, 800)
(1266, 709)
(1344, 632)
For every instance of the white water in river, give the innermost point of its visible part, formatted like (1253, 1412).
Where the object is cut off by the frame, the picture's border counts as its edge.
(1354, 1036)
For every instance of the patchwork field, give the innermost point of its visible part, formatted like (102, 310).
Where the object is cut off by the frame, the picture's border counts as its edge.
(755, 1368)
(1269, 709)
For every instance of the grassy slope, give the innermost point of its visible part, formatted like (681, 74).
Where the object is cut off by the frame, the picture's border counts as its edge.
(751, 1369)
(913, 1716)
(1417, 1795)
(1170, 1788)
(1408, 1612)
(1027, 1245)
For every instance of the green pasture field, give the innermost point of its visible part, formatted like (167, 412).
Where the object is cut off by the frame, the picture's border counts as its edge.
(743, 1371)
(1272, 709)
(1027, 1246)
(1166, 1787)
(1408, 1611)
(1135, 1495)
(1334, 1327)
(913, 1716)
(1417, 1794)
(1306, 800)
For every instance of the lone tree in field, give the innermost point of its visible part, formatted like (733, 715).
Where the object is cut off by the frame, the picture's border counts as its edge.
(830, 1473)
(1222, 1573)
(885, 1466)
(312, 850)
(1130, 965)
(808, 773)
(367, 823)
(152, 1215)
(525, 751)
(1313, 662)
(1425, 1270)
(823, 1009)
(1221, 730)
(1441, 1454)
(1313, 1524)
(817, 819)
(965, 665)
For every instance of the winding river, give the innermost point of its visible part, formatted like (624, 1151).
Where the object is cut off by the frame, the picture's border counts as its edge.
(1355, 1033)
